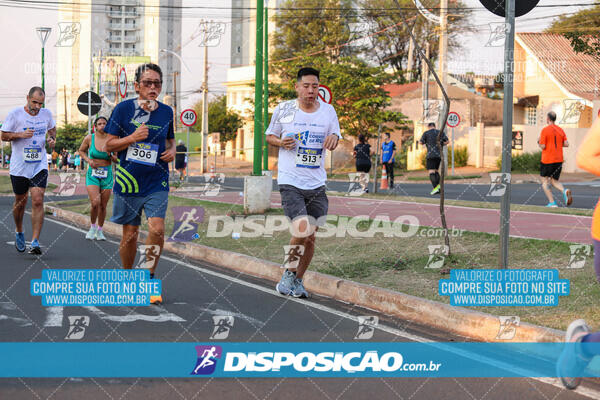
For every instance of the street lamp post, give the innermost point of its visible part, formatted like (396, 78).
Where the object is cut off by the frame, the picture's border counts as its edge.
(43, 33)
(175, 73)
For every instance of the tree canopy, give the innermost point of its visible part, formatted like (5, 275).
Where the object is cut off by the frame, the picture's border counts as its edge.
(220, 118)
(582, 29)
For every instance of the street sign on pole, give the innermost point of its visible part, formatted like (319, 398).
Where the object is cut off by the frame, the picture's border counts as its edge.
(522, 7)
(89, 103)
(188, 117)
(509, 11)
(325, 94)
(453, 121)
(123, 83)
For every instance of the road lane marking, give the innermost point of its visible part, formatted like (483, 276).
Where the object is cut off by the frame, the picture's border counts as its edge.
(593, 394)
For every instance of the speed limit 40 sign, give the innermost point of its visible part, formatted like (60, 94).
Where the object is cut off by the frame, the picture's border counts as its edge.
(453, 120)
(188, 117)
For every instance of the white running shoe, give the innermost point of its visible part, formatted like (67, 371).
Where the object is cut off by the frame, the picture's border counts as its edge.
(100, 235)
(91, 233)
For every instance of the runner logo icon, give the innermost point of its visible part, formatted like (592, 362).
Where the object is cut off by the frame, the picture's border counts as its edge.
(293, 253)
(77, 327)
(223, 324)
(207, 359)
(437, 255)
(579, 253)
(508, 327)
(366, 327)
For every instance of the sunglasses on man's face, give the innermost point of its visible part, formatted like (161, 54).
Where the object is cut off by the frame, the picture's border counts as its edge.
(156, 84)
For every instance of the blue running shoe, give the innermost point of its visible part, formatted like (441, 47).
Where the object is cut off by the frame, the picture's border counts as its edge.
(286, 284)
(572, 361)
(552, 204)
(20, 242)
(35, 248)
(298, 290)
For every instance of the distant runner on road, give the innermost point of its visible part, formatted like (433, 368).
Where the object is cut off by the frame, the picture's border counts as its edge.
(141, 131)
(551, 141)
(303, 129)
(27, 127)
(434, 158)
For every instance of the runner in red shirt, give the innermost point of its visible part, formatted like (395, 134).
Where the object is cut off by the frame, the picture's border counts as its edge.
(551, 141)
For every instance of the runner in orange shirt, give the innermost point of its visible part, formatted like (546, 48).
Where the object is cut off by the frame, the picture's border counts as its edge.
(588, 158)
(551, 141)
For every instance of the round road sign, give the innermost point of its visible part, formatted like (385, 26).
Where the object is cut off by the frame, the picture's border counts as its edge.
(89, 103)
(522, 7)
(123, 83)
(325, 94)
(453, 119)
(188, 117)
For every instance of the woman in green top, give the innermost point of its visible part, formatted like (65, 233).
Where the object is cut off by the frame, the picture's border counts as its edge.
(99, 177)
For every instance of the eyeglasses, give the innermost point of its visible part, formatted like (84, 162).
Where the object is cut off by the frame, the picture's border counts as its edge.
(156, 84)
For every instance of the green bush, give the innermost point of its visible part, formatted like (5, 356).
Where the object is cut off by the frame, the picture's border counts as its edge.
(461, 156)
(526, 162)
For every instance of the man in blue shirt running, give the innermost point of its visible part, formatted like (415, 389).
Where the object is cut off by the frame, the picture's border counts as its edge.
(141, 131)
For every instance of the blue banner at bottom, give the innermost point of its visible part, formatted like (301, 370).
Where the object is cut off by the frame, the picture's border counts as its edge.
(46, 360)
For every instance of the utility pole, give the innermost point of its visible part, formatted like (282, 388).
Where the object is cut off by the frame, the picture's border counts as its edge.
(89, 94)
(43, 33)
(265, 149)
(258, 90)
(507, 119)
(204, 164)
(65, 98)
(175, 73)
(443, 69)
(425, 80)
(410, 62)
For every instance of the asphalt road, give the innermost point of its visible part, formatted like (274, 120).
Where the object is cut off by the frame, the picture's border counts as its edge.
(585, 194)
(193, 294)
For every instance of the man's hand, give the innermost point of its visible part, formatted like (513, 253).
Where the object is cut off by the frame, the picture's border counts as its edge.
(141, 133)
(27, 133)
(169, 154)
(288, 143)
(331, 142)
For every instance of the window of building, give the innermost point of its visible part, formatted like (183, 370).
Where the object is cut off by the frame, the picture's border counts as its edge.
(531, 115)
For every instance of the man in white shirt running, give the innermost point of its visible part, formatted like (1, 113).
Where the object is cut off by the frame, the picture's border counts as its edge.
(26, 127)
(303, 129)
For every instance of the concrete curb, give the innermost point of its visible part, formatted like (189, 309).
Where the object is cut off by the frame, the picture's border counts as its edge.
(457, 320)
